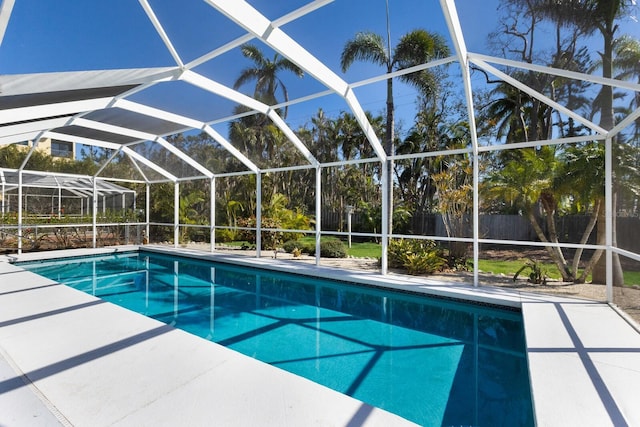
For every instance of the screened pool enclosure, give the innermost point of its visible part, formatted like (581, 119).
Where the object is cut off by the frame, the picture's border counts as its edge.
(196, 120)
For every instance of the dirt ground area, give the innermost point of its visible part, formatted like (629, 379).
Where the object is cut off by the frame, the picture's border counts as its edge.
(626, 298)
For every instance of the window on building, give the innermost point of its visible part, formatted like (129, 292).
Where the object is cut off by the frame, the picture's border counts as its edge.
(61, 149)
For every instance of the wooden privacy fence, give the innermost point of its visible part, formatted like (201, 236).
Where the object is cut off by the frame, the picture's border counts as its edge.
(503, 227)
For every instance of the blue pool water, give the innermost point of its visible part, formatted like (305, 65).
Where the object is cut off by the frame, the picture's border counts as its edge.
(432, 361)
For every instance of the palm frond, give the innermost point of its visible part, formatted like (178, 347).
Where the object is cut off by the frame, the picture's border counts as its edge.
(366, 46)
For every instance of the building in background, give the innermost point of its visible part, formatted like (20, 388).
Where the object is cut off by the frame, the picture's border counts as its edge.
(54, 148)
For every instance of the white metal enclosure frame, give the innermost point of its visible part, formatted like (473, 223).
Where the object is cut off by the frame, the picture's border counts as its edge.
(95, 108)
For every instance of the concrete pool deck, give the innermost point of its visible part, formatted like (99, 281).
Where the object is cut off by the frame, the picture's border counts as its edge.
(67, 358)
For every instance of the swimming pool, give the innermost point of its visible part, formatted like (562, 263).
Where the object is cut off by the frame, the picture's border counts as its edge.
(434, 362)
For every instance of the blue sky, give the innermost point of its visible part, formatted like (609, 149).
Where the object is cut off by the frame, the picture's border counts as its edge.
(48, 36)
(45, 36)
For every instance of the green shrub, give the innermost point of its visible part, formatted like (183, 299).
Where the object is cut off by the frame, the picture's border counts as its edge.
(270, 239)
(225, 235)
(399, 249)
(290, 245)
(397, 252)
(302, 246)
(424, 263)
(417, 256)
(330, 249)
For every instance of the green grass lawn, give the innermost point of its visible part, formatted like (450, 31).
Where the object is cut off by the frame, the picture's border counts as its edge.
(358, 250)
(631, 277)
(507, 268)
(365, 250)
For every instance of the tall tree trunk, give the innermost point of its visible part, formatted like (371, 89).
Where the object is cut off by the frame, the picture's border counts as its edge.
(607, 122)
(585, 237)
(561, 262)
(550, 250)
(389, 136)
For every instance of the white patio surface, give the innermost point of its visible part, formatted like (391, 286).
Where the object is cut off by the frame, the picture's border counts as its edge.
(67, 358)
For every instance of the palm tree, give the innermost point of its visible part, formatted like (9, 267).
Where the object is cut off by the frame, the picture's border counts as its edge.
(323, 131)
(528, 183)
(572, 93)
(596, 16)
(188, 212)
(265, 73)
(414, 48)
(627, 63)
(581, 178)
(507, 113)
(591, 16)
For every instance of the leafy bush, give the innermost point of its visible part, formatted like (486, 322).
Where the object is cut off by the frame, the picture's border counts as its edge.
(290, 245)
(330, 249)
(417, 256)
(424, 263)
(399, 249)
(270, 239)
(294, 220)
(397, 252)
(225, 235)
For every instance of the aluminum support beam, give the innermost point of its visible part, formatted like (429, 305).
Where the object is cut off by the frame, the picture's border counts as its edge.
(184, 157)
(258, 214)
(455, 29)
(94, 214)
(27, 128)
(212, 218)
(128, 151)
(36, 112)
(231, 149)
(5, 14)
(176, 214)
(572, 75)
(385, 218)
(539, 96)
(164, 115)
(163, 35)
(233, 95)
(608, 209)
(318, 212)
(308, 8)
(253, 21)
(19, 212)
(147, 210)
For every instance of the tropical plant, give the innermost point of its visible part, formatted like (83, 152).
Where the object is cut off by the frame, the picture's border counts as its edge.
(292, 246)
(455, 202)
(414, 48)
(331, 249)
(593, 16)
(332, 139)
(527, 182)
(436, 127)
(424, 263)
(265, 74)
(537, 272)
(188, 213)
(271, 237)
(507, 113)
(627, 65)
(580, 179)
(416, 256)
